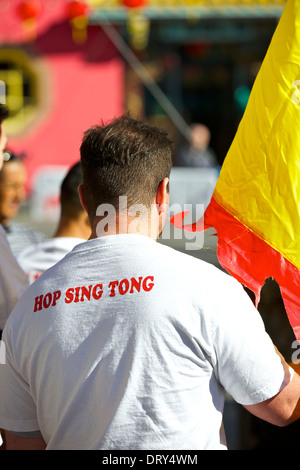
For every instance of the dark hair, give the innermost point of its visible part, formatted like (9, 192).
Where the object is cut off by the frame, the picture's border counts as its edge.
(11, 157)
(69, 198)
(127, 157)
(3, 114)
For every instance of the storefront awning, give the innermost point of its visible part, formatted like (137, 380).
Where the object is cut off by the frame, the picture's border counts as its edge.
(189, 10)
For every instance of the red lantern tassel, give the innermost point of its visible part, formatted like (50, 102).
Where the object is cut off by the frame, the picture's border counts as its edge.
(77, 14)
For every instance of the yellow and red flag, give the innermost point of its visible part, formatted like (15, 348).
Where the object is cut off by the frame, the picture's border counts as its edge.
(255, 208)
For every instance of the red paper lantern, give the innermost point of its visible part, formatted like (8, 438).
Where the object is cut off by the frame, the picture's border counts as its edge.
(76, 9)
(134, 3)
(28, 11)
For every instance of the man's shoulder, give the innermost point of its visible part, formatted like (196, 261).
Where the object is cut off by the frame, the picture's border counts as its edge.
(193, 269)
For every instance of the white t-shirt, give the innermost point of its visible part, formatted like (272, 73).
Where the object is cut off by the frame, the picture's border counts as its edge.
(129, 344)
(38, 258)
(13, 281)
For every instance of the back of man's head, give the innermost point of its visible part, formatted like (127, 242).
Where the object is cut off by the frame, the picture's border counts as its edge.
(127, 157)
(71, 207)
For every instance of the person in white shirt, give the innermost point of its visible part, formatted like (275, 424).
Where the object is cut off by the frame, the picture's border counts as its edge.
(13, 281)
(73, 228)
(127, 344)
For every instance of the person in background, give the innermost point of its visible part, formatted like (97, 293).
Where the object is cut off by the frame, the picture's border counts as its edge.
(197, 152)
(12, 194)
(73, 228)
(128, 344)
(13, 281)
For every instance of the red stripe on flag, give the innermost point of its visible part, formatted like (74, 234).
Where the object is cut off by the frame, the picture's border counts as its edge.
(250, 259)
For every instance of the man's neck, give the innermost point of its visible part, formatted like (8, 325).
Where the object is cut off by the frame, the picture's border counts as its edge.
(105, 226)
(72, 229)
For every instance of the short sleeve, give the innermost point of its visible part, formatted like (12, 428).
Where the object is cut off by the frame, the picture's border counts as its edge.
(13, 280)
(247, 362)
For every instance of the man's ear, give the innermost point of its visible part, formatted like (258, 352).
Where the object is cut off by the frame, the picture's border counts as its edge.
(162, 203)
(81, 196)
(162, 194)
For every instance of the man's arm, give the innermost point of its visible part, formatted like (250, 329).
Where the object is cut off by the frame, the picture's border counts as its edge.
(284, 408)
(15, 442)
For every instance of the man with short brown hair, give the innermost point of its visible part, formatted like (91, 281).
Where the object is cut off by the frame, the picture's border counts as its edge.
(126, 343)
